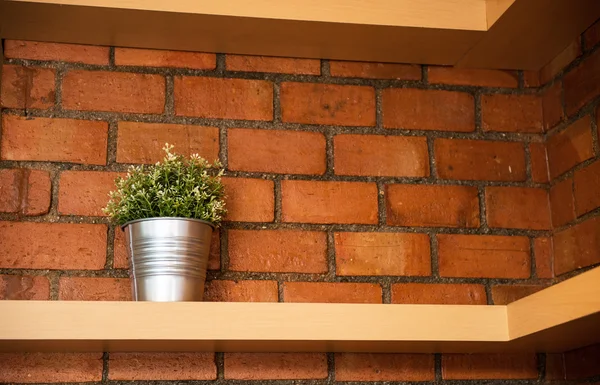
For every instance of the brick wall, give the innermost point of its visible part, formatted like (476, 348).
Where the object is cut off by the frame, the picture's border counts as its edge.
(347, 182)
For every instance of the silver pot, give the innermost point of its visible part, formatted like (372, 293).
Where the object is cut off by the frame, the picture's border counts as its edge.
(168, 258)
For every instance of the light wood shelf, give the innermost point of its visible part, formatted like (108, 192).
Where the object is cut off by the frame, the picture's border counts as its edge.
(560, 318)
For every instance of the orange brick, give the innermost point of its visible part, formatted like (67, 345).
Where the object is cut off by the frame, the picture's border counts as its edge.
(332, 292)
(552, 105)
(160, 58)
(489, 366)
(582, 363)
(61, 246)
(366, 70)
(555, 366)
(25, 191)
(439, 293)
(376, 155)
(432, 206)
(162, 366)
(54, 140)
(479, 160)
(587, 185)
(241, 291)
(282, 65)
(543, 257)
(518, 208)
(570, 147)
(27, 87)
(284, 251)
(50, 367)
(277, 151)
(85, 192)
(413, 109)
(223, 98)
(591, 36)
(329, 202)
(562, 203)
(24, 287)
(249, 200)
(484, 256)
(472, 77)
(512, 113)
(113, 92)
(384, 367)
(563, 59)
(539, 162)
(327, 104)
(505, 294)
(94, 289)
(531, 79)
(577, 246)
(87, 54)
(382, 254)
(144, 142)
(275, 366)
(582, 84)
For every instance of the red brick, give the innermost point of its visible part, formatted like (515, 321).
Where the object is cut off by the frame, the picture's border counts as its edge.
(384, 367)
(160, 58)
(577, 246)
(113, 92)
(489, 366)
(582, 84)
(276, 151)
(27, 87)
(512, 113)
(562, 203)
(50, 367)
(376, 155)
(531, 79)
(54, 140)
(284, 251)
(94, 289)
(327, 104)
(87, 54)
(442, 293)
(555, 366)
(542, 248)
(552, 105)
(518, 208)
(332, 292)
(479, 160)
(144, 142)
(563, 59)
(85, 192)
(587, 185)
(583, 363)
(413, 109)
(162, 366)
(24, 287)
(382, 254)
(25, 191)
(591, 36)
(275, 366)
(249, 200)
(539, 162)
(484, 256)
(61, 246)
(329, 202)
(364, 70)
(432, 206)
(282, 65)
(505, 294)
(472, 77)
(223, 98)
(570, 147)
(241, 291)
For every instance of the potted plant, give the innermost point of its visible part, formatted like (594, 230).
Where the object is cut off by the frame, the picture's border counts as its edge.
(168, 212)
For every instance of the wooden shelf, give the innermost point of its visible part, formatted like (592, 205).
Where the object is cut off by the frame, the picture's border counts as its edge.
(507, 34)
(560, 318)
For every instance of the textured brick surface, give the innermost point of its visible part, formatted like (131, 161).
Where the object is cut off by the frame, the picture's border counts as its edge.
(275, 366)
(472, 77)
(505, 294)
(24, 287)
(582, 84)
(439, 293)
(489, 366)
(162, 366)
(562, 203)
(582, 363)
(326, 292)
(26, 87)
(249, 199)
(159, 58)
(587, 185)
(539, 162)
(364, 70)
(273, 64)
(85, 192)
(25, 191)
(86, 54)
(569, 147)
(383, 367)
(50, 367)
(552, 105)
(544, 258)
(563, 59)
(518, 208)
(94, 289)
(511, 113)
(241, 291)
(577, 247)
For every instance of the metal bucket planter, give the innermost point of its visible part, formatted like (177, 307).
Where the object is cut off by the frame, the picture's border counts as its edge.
(168, 258)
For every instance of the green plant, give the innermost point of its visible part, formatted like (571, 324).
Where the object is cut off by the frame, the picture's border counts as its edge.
(175, 187)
